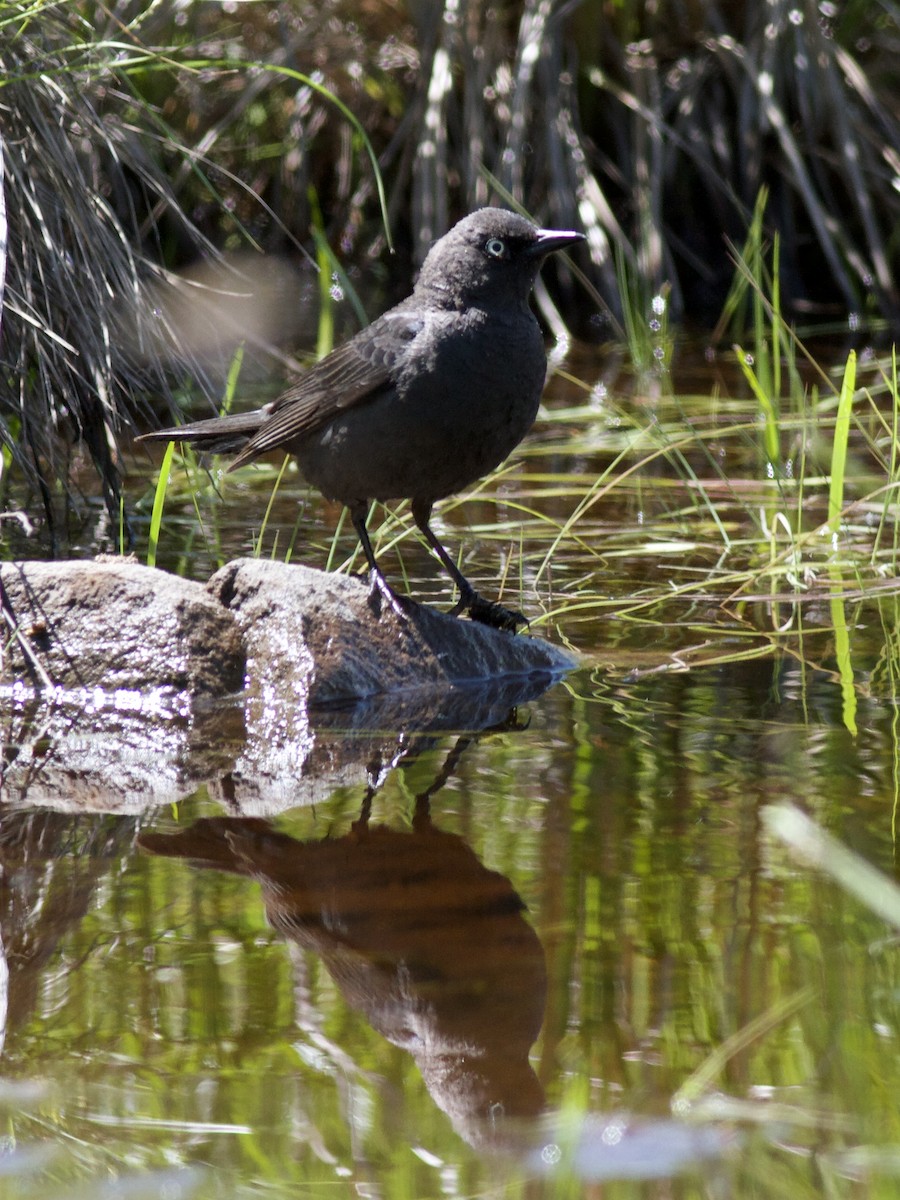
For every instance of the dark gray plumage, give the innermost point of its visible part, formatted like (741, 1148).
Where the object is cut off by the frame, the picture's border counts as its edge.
(429, 398)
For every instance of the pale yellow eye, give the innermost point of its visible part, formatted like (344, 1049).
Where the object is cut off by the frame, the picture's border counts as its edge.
(495, 247)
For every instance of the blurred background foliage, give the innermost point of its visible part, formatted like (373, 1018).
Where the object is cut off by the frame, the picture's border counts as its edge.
(152, 154)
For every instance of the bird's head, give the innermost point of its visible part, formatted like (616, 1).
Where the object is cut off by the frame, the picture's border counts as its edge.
(489, 256)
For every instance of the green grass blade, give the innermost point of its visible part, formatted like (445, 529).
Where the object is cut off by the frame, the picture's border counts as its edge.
(767, 408)
(234, 370)
(734, 307)
(813, 846)
(777, 323)
(325, 333)
(159, 503)
(706, 1074)
(843, 653)
(257, 548)
(123, 528)
(839, 446)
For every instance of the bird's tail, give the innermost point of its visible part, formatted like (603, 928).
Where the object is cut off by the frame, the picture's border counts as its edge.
(216, 435)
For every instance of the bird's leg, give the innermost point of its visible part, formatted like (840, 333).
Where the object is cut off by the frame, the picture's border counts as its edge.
(487, 612)
(379, 588)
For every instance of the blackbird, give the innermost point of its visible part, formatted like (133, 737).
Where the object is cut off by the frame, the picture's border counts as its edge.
(424, 401)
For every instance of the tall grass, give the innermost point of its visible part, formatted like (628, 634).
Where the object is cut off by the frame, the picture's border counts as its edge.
(94, 214)
(136, 140)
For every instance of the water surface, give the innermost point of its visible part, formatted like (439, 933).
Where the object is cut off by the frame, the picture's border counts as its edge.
(515, 959)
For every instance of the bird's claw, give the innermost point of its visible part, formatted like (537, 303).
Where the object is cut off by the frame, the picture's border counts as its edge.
(381, 591)
(489, 612)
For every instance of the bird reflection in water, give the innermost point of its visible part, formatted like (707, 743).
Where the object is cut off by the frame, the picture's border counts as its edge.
(430, 946)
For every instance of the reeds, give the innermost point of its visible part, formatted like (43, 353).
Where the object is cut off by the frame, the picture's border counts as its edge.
(134, 141)
(76, 183)
(95, 211)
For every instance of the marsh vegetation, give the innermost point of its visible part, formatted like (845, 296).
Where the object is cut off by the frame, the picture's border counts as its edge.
(197, 197)
(140, 145)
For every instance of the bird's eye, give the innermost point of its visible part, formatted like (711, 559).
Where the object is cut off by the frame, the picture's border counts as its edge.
(495, 247)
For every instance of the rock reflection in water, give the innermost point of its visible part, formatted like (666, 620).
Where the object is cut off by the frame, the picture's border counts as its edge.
(420, 937)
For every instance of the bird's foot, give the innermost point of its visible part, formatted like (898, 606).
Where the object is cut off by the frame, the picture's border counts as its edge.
(489, 612)
(380, 592)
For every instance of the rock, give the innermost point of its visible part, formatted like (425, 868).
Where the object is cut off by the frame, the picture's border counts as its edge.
(116, 626)
(320, 639)
(293, 756)
(111, 686)
(123, 687)
(322, 664)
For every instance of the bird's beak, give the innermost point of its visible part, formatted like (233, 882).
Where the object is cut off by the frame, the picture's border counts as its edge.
(549, 240)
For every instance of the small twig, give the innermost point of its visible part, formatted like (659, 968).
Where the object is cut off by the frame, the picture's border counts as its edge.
(29, 653)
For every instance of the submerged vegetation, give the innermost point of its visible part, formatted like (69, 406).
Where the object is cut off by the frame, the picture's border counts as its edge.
(139, 142)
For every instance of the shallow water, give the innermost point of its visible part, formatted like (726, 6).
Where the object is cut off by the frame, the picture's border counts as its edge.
(526, 959)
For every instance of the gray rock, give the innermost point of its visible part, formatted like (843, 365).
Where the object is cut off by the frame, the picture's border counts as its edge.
(327, 674)
(117, 626)
(122, 687)
(110, 686)
(319, 639)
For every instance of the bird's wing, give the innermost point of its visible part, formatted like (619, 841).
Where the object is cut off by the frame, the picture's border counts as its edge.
(350, 375)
